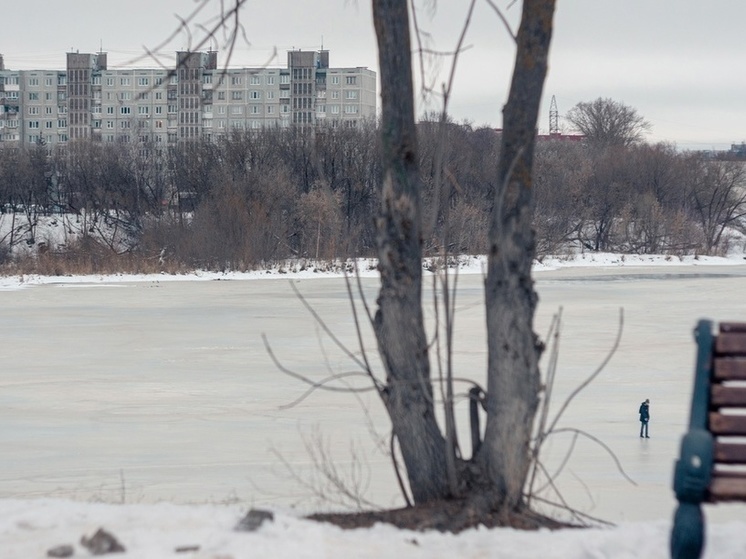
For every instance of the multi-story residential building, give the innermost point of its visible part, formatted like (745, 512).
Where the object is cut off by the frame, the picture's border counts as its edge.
(197, 99)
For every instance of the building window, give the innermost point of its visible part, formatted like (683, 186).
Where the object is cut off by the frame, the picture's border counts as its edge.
(235, 80)
(33, 124)
(351, 80)
(109, 110)
(256, 80)
(255, 95)
(236, 95)
(350, 109)
(124, 81)
(335, 94)
(143, 110)
(270, 80)
(33, 110)
(236, 110)
(334, 109)
(110, 82)
(48, 110)
(221, 95)
(172, 109)
(62, 123)
(320, 108)
(110, 124)
(142, 82)
(335, 80)
(270, 109)
(270, 95)
(207, 78)
(255, 109)
(285, 108)
(96, 80)
(125, 95)
(159, 110)
(284, 78)
(48, 124)
(125, 110)
(124, 124)
(33, 81)
(33, 96)
(351, 94)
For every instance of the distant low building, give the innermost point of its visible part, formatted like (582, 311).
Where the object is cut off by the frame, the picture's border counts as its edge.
(197, 99)
(738, 150)
(560, 137)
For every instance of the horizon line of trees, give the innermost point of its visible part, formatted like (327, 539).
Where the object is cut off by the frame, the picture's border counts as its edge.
(272, 194)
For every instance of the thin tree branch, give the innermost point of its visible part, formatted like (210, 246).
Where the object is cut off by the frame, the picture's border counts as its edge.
(600, 443)
(398, 472)
(600, 368)
(504, 20)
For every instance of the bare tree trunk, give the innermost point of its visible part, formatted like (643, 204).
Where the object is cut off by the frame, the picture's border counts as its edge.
(513, 349)
(399, 322)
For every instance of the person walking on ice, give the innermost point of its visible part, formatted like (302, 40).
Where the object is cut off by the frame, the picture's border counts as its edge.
(644, 418)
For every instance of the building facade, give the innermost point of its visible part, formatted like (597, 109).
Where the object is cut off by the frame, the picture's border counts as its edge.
(197, 99)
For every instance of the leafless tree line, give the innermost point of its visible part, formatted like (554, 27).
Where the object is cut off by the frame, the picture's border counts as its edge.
(263, 196)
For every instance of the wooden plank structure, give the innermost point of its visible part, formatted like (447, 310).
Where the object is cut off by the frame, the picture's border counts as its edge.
(712, 463)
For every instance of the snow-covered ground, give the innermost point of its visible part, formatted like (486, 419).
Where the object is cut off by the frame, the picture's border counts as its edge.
(308, 269)
(29, 527)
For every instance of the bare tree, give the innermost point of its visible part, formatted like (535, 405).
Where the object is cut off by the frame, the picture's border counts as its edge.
(605, 123)
(496, 474)
(718, 194)
(513, 379)
(560, 170)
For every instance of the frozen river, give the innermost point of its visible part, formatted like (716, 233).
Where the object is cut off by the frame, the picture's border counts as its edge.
(150, 391)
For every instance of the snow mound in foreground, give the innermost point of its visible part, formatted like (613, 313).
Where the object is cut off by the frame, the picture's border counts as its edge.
(29, 528)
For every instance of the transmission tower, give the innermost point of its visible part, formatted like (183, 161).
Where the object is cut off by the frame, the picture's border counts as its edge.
(553, 118)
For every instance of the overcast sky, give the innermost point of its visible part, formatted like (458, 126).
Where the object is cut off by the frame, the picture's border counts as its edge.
(679, 63)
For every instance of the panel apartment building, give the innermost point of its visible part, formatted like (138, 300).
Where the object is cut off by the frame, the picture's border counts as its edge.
(198, 99)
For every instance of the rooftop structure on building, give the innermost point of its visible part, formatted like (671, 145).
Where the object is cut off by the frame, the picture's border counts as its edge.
(195, 99)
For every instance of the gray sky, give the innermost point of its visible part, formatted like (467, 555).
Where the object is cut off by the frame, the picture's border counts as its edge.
(678, 62)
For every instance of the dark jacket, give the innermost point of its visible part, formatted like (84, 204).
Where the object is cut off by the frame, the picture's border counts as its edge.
(644, 412)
